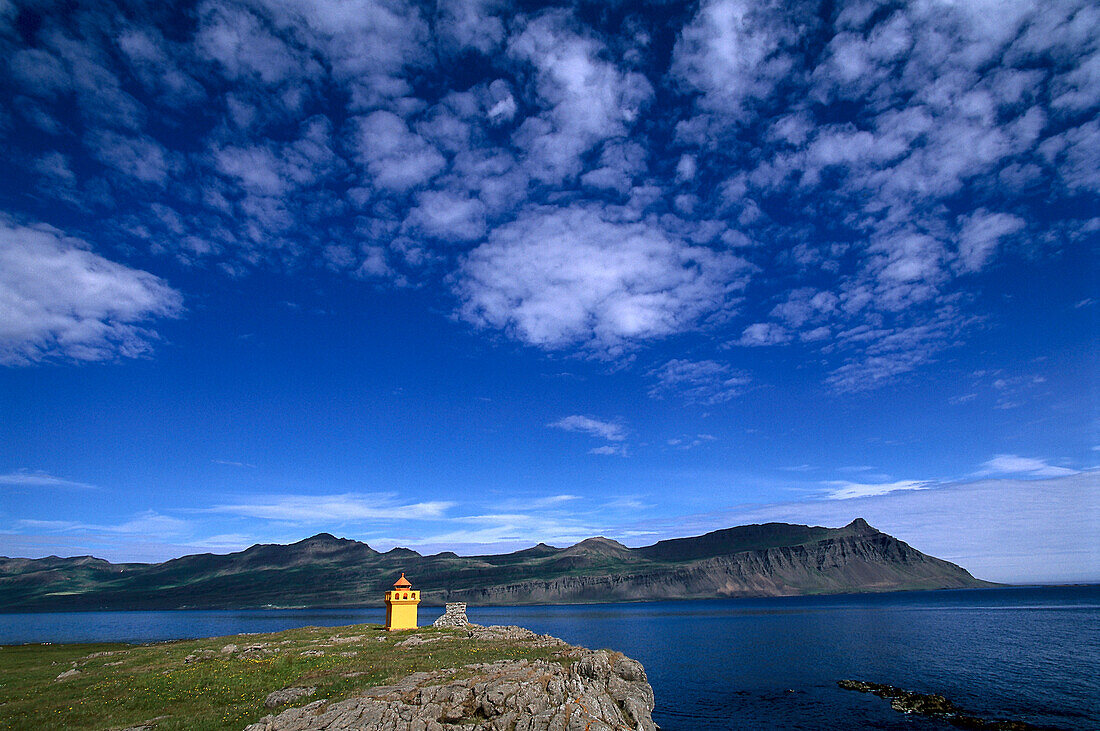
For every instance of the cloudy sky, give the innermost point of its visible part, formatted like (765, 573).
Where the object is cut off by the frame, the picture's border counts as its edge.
(471, 275)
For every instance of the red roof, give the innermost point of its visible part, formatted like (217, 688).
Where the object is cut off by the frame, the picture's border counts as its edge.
(402, 583)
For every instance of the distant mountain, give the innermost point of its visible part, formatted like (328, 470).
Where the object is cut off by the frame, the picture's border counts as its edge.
(774, 559)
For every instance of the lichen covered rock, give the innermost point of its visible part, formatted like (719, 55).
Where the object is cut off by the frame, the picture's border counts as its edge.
(575, 689)
(287, 695)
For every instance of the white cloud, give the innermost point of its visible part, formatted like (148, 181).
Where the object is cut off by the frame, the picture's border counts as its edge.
(369, 44)
(463, 24)
(448, 216)
(238, 40)
(690, 441)
(805, 305)
(981, 233)
(764, 333)
(729, 52)
(146, 523)
(937, 110)
(60, 300)
(27, 478)
(328, 509)
(608, 430)
(844, 490)
(501, 532)
(586, 98)
(395, 157)
(255, 168)
(705, 382)
(155, 62)
(1011, 464)
(230, 463)
(686, 167)
(952, 136)
(139, 158)
(577, 276)
(502, 108)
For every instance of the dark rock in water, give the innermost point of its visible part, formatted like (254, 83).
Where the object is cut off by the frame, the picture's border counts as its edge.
(936, 706)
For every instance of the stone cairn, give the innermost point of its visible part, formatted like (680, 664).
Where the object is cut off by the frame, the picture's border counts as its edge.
(455, 616)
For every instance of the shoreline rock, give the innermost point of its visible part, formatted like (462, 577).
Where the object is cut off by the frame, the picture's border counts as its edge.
(936, 706)
(597, 690)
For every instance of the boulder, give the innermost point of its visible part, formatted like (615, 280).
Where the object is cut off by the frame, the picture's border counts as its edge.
(70, 673)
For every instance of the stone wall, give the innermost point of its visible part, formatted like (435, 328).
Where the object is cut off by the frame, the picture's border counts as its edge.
(455, 616)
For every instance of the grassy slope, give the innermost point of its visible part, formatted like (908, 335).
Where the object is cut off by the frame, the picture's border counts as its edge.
(123, 685)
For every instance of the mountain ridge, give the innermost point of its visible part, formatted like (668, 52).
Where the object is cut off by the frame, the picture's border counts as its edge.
(770, 559)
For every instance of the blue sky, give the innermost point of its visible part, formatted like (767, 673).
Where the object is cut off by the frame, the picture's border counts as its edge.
(472, 275)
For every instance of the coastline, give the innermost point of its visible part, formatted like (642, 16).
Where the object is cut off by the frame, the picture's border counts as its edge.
(461, 676)
(923, 641)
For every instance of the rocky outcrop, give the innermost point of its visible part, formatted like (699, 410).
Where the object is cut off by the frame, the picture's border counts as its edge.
(935, 705)
(287, 695)
(574, 689)
(453, 616)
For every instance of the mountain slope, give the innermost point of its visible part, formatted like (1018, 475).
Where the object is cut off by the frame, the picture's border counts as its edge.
(774, 559)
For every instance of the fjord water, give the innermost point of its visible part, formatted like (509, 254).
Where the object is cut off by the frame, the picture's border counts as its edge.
(1031, 653)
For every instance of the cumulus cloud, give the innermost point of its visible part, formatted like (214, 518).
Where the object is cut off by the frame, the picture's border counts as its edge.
(448, 216)
(577, 276)
(868, 165)
(764, 333)
(730, 53)
(140, 158)
(981, 233)
(395, 157)
(931, 120)
(58, 299)
(585, 98)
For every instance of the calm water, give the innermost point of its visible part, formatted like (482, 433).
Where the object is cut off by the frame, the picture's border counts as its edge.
(1027, 653)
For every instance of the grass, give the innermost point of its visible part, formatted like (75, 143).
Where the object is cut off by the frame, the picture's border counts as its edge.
(125, 685)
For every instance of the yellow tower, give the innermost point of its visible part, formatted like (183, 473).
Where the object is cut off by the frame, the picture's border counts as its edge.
(401, 604)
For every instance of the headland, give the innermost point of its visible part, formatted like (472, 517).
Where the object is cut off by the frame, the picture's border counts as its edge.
(355, 677)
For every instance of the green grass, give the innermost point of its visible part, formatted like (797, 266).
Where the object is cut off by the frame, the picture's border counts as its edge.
(139, 683)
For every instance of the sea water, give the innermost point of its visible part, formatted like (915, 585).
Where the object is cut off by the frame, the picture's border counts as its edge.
(1028, 653)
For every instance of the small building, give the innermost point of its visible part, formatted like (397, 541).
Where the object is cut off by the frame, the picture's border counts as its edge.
(401, 603)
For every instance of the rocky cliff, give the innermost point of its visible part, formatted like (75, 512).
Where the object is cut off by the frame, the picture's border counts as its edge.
(866, 561)
(574, 688)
